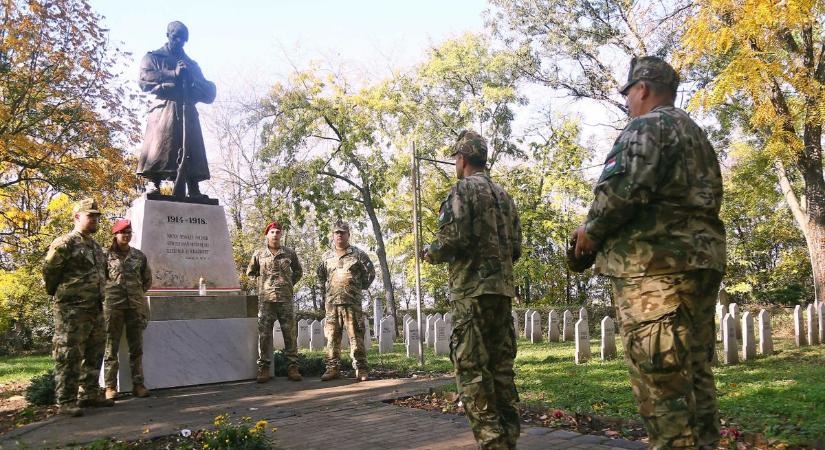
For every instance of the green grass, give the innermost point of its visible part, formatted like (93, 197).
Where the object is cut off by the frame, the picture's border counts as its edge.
(22, 368)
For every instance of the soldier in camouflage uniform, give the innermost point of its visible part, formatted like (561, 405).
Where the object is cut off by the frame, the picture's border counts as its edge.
(655, 223)
(75, 274)
(345, 272)
(277, 269)
(127, 279)
(479, 235)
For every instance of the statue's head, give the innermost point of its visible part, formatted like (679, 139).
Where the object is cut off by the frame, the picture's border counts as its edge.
(178, 34)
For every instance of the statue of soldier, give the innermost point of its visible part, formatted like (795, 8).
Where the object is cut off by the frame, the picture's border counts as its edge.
(177, 83)
(75, 275)
(479, 235)
(277, 269)
(345, 271)
(655, 229)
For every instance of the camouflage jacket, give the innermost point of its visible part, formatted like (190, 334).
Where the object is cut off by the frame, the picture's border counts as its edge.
(127, 278)
(277, 273)
(345, 277)
(479, 235)
(75, 271)
(656, 206)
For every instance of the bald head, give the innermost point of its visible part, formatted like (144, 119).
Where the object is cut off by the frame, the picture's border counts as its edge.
(178, 34)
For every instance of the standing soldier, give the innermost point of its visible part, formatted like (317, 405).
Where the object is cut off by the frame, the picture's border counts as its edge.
(479, 235)
(655, 225)
(345, 272)
(127, 278)
(277, 269)
(75, 274)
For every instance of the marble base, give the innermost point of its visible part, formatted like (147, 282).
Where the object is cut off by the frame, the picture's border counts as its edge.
(198, 351)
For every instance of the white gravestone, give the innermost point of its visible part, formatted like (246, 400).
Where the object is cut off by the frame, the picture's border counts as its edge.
(733, 310)
(407, 322)
(567, 326)
(535, 327)
(303, 333)
(765, 336)
(448, 319)
(412, 339)
(813, 325)
(730, 344)
(583, 314)
(582, 342)
(527, 329)
(316, 336)
(277, 336)
(344, 338)
(392, 327)
(323, 330)
(515, 322)
(385, 335)
(721, 310)
(798, 327)
(441, 343)
(820, 316)
(428, 325)
(748, 337)
(367, 337)
(553, 326)
(404, 322)
(608, 346)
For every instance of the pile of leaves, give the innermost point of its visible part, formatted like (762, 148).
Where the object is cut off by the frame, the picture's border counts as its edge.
(15, 410)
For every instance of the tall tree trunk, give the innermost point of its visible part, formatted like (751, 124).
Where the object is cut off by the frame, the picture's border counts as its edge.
(380, 250)
(811, 220)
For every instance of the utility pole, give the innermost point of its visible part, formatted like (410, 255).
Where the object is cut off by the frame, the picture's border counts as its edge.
(416, 187)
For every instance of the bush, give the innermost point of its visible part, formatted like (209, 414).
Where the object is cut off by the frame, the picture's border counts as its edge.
(41, 390)
(309, 366)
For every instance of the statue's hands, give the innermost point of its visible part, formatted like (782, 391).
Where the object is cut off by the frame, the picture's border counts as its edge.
(182, 70)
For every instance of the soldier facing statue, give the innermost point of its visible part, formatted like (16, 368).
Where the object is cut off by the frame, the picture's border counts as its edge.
(173, 147)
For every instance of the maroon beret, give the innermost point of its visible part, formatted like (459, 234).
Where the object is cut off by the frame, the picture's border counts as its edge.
(272, 225)
(120, 225)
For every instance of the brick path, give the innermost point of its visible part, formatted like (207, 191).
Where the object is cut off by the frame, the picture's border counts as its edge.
(340, 414)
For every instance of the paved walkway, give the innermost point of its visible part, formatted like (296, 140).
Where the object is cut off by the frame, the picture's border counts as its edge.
(340, 414)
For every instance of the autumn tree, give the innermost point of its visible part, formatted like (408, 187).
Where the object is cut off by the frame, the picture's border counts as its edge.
(765, 65)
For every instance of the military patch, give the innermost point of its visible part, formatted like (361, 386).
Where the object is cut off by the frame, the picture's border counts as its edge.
(613, 165)
(446, 214)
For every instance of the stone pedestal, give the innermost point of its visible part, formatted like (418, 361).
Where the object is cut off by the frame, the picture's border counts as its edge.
(191, 339)
(195, 340)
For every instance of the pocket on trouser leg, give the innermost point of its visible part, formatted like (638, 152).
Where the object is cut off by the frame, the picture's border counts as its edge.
(662, 380)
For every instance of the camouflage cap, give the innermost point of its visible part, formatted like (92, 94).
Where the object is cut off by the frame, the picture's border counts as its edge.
(87, 205)
(340, 225)
(470, 143)
(651, 68)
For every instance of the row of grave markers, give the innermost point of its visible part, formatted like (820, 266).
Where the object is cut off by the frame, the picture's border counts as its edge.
(564, 330)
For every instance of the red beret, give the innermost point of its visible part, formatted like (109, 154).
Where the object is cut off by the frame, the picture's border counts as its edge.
(120, 225)
(272, 225)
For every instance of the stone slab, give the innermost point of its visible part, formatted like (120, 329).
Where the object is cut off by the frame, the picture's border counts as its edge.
(189, 352)
(188, 307)
(184, 242)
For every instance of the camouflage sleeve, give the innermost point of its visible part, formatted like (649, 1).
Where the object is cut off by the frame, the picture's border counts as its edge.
(53, 266)
(253, 269)
(454, 227)
(146, 274)
(297, 270)
(516, 232)
(369, 270)
(628, 178)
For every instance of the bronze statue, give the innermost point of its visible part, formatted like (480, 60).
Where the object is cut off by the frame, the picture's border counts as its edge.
(173, 147)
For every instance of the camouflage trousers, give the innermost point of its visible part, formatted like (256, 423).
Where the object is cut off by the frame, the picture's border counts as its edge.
(268, 313)
(134, 322)
(482, 348)
(351, 317)
(667, 326)
(77, 349)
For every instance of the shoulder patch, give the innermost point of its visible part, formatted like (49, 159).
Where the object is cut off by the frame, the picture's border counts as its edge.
(613, 165)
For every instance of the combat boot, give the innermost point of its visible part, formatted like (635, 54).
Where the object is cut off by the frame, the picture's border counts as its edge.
(69, 410)
(293, 374)
(139, 391)
(263, 376)
(111, 393)
(361, 375)
(330, 374)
